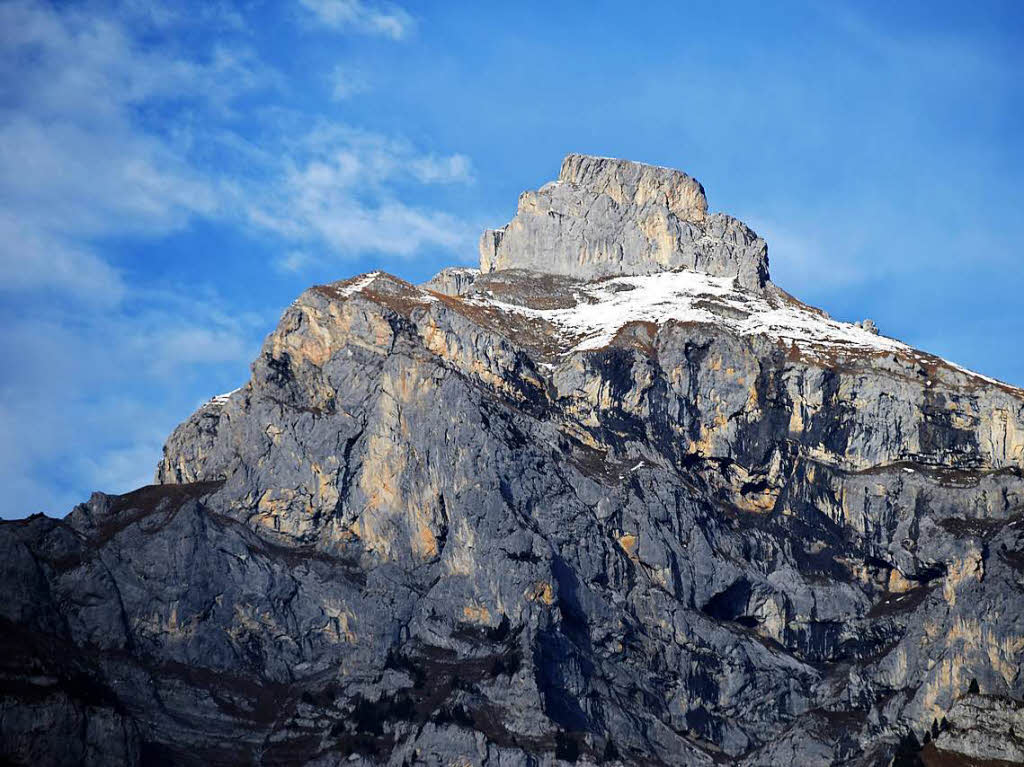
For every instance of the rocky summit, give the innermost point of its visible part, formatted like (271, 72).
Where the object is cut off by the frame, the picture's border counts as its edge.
(612, 499)
(607, 217)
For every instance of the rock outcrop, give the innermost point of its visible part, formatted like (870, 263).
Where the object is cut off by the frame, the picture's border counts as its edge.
(452, 280)
(982, 728)
(635, 513)
(606, 217)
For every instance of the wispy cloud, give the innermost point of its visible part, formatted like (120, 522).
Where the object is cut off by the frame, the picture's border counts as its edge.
(32, 258)
(385, 20)
(434, 169)
(347, 82)
(76, 398)
(293, 261)
(337, 188)
(80, 164)
(111, 129)
(75, 164)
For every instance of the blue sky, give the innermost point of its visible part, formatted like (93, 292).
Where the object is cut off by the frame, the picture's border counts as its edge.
(173, 175)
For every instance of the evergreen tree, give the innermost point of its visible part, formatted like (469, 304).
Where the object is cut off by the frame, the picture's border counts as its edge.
(908, 752)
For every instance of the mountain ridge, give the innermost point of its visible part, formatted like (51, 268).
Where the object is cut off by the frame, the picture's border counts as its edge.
(654, 511)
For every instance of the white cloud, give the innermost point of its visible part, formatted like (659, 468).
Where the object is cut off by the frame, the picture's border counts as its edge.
(335, 189)
(432, 169)
(74, 163)
(77, 163)
(89, 396)
(369, 158)
(32, 258)
(109, 128)
(385, 20)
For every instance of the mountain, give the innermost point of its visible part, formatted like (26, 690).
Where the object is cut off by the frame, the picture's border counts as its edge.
(613, 498)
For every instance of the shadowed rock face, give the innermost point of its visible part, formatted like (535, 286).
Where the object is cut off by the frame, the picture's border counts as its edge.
(605, 217)
(519, 517)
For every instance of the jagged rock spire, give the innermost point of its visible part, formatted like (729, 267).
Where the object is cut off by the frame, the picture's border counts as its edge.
(607, 217)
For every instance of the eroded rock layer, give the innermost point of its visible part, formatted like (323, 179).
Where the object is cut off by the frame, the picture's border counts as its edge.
(605, 217)
(519, 518)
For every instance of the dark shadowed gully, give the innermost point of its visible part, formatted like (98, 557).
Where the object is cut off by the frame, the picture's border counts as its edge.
(615, 498)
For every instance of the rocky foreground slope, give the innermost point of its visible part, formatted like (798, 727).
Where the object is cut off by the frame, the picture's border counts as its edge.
(615, 498)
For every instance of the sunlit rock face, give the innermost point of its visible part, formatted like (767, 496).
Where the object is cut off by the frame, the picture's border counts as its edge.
(621, 513)
(606, 217)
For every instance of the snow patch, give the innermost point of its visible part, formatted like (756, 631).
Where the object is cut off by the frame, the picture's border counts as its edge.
(605, 307)
(688, 296)
(220, 399)
(357, 285)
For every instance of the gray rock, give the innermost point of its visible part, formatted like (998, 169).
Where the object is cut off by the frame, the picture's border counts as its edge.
(984, 728)
(435, 527)
(453, 280)
(612, 217)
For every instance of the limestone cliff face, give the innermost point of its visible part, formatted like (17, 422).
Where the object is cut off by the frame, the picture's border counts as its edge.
(607, 217)
(524, 516)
